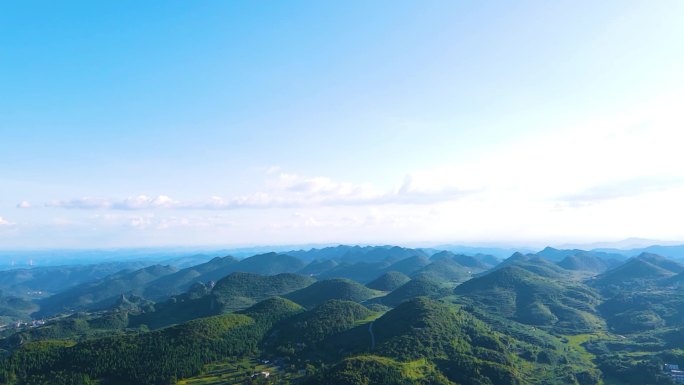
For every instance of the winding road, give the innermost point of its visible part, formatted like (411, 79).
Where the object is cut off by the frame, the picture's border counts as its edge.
(370, 330)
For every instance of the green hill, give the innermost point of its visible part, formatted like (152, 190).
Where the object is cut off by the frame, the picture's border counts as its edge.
(444, 270)
(240, 290)
(388, 281)
(322, 291)
(633, 312)
(234, 292)
(158, 357)
(637, 272)
(307, 330)
(376, 370)
(414, 288)
(662, 262)
(536, 265)
(466, 351)
(586, 262)
(521, 295)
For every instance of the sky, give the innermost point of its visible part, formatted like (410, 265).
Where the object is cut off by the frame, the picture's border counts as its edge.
(181, 123)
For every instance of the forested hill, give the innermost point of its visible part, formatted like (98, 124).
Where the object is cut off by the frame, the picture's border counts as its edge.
(402, 317)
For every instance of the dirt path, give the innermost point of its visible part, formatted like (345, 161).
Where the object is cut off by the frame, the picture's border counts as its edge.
(370, 330)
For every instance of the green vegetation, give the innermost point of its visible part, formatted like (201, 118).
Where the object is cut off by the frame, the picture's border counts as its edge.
(444, 270)
(415, 288)
(526, 322)
(518, 294)
(322, 291)
(368, 369)
(239, 290)
(388, 281)
(159, 357)
(308, 330)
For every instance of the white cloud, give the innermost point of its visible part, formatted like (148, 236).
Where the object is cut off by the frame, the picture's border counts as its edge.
(285, 190)
(23, 205)
(85, 203)
(4, 222)
(139, 202)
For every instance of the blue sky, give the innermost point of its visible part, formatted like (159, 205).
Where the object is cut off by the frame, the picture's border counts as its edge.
(240, 123)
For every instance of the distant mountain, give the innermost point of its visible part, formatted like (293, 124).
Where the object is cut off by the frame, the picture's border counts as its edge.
(357, 271)
(445, 270)
(409, 265)
(104, 292)
(519, 294)
(181, 280)
(584, 261)
(270, 263)
(557, 255)
(662, 262)
(645, 269)
(388, 281)
(497, 252)
(673, 251)
(321, 291)
(54, 279)
(478, 263)
(240, 290)
(414, 288)
(234, 292)
(318, 266)
(535, 264)
(352, 254)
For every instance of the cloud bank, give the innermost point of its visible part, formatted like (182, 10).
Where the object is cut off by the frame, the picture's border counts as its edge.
(284, 191)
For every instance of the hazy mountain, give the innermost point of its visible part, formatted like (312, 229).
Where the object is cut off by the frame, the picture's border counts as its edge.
(270, 263)
(358, 271)
(27, 282)
(15, 308)
(645, 269)
(534, 264)
(478, 263)
(103, 292)
(181, 280)
(240, 290)
(584, 261)
(409, 265)
(497, 252)
(318, 266)
(557, 255)
(352, 254)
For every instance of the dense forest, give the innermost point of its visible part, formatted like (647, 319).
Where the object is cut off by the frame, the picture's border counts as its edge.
(383, 315)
